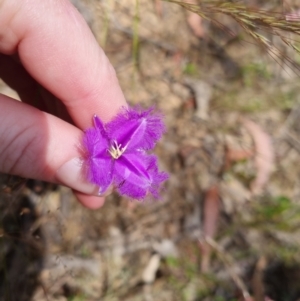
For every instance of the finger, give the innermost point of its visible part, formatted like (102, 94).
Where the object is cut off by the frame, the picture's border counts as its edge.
(57, 48)
(90, 201)
(38, 145)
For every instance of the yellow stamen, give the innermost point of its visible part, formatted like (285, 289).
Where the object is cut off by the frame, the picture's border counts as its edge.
(116, 150)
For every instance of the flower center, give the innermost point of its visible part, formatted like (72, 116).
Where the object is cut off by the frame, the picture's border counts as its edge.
(116, 150)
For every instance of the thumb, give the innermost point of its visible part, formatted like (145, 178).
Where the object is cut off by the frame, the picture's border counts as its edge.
(37, 145)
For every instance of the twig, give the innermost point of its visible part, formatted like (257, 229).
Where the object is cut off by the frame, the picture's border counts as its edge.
(292, 141)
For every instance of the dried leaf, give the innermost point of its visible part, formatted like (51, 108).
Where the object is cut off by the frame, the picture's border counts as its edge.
(62, 264)
(166, 248)
(264, 155)
(238, 154)
(234, 155)
(203, 94)
(294, 16)
(210, 222)
(195, 23)
(151, 269)
(158, 7)
(258, 279)
(234, 195)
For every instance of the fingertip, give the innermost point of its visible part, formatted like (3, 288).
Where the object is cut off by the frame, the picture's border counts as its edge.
(90, 201)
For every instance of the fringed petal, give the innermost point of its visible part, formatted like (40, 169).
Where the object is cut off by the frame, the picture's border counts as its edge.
(136, 129)
(157, 177)
(131, 176)
(137, 175)
(99, 164)
(101, 172)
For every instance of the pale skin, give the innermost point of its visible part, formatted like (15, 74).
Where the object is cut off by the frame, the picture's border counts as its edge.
(50, 57)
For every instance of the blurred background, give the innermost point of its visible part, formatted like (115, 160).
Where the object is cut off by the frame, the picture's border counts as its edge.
(227, 226)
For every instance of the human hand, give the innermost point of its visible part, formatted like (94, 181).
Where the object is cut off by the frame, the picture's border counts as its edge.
(50, 57)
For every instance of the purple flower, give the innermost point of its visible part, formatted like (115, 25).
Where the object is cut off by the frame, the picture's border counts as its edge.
(117, 153)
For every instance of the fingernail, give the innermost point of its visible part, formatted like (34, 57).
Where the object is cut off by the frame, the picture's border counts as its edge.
(71, 174)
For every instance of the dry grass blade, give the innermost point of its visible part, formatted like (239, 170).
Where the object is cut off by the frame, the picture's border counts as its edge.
(253, 21)
(245, 16)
